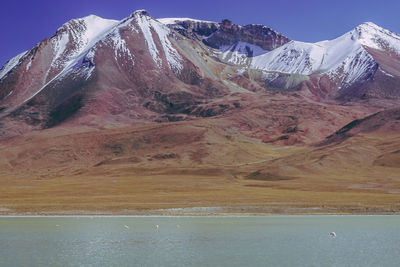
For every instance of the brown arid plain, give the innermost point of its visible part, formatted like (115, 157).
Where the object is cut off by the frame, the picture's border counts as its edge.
(174, 168)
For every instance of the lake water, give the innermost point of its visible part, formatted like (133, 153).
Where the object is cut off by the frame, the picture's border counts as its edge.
(200, 241)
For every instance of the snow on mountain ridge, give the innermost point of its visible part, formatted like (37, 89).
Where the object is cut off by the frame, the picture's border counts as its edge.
(374, 36)
(293, 57)
(169, 21)
(83, 33)
(11, 64)
(343, 58)
(75, 43)
(147, 24)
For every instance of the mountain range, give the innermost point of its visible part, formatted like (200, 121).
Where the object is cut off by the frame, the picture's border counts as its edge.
(149, 114)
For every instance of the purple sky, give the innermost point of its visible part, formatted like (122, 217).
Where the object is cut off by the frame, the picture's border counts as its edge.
(23, 23)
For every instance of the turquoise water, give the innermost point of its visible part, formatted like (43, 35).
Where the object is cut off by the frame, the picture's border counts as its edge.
(200, 241)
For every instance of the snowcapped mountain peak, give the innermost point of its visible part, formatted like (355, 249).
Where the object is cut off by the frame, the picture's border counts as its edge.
(86, 32)
(345, 59)
(95, 25)
(81, 33)
(372, 28)
(77, 36)
(371, 35)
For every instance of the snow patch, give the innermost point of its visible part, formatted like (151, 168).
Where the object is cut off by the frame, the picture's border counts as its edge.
(60, 43)
(120, 46)
(240, 71)
(240, 53)
(90, 54)
(29, 64)
(384, 72)
(90, 72)
(147, 25)
(173, 57)
(11, 64)
(10, 93)
(270, 76)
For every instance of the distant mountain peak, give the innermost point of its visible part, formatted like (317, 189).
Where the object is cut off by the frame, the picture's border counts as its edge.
(371, 35)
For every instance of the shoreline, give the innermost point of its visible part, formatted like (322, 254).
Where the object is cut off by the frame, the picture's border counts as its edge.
(190, 215)
(198, 211)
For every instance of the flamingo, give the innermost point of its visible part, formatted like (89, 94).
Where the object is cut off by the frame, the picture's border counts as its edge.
(332, 234)
(126, 226)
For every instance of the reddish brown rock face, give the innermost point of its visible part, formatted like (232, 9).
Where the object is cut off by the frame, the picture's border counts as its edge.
(384, 122)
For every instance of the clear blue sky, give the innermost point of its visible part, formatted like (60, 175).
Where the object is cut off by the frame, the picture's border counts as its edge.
(23, 23)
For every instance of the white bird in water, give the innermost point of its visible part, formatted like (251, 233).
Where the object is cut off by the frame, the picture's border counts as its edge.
(126, 226)
(332, 234)
(57, 225)
(157, 226)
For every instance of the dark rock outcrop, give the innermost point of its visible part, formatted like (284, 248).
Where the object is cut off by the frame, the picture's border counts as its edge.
(191, 28)
(260, 35)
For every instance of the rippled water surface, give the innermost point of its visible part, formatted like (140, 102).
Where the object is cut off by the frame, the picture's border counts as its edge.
(200, 241)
